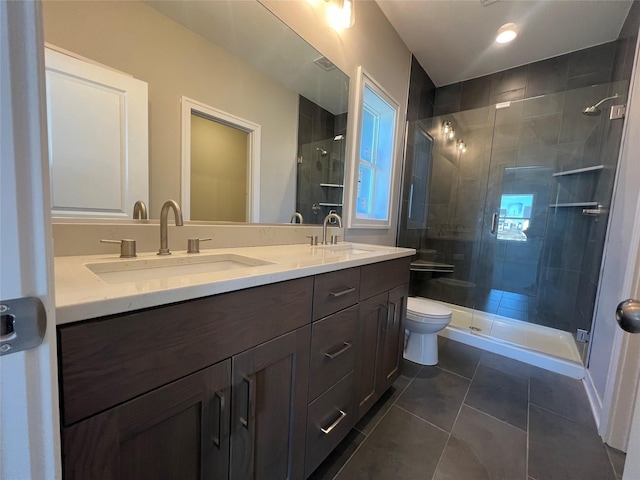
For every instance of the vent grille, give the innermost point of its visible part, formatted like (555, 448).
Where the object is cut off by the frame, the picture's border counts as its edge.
(324, 63)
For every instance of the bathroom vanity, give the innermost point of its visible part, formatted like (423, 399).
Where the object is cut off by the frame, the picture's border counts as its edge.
(255, 372)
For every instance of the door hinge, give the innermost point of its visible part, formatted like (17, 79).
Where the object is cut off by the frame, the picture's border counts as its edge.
(582, 336)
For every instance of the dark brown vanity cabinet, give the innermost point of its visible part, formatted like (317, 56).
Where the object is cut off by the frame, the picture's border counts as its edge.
(179, 431)
(269, 408)
(383, 299)
(162, 392)
(259, 383)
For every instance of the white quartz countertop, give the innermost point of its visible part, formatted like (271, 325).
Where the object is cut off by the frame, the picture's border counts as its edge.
(82, 294)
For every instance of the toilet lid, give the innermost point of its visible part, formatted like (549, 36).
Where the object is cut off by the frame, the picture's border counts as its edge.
(423, 307)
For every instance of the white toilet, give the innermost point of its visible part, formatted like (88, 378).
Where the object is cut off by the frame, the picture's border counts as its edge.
(425, 318)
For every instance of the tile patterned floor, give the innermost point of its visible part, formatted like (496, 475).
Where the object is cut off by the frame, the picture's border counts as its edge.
(476, 416)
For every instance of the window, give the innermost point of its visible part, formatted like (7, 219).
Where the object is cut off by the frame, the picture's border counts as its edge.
(515, 213)
(376, 154)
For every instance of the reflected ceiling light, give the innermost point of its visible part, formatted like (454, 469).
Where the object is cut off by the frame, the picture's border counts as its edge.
(507, 33)
(341, 14)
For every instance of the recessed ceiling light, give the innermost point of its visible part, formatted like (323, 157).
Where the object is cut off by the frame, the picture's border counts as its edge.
(507, 32)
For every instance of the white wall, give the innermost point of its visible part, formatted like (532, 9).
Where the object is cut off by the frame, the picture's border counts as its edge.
(138, 40)
(373, 44)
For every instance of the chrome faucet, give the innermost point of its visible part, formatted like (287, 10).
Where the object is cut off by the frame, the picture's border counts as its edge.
(140, 211)
(298, 216)
(326, 223)
(164, 213)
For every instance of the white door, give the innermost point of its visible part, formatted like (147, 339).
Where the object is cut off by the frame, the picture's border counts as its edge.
(29, 424)
(98, 138)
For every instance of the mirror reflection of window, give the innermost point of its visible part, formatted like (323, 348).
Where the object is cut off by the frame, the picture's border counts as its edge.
(375, 155)
(515, 215)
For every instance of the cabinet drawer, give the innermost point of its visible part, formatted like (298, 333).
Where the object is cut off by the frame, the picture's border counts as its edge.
(383, 276)
(329, 419)
(333, 347)
(334, 291)
(110, 360)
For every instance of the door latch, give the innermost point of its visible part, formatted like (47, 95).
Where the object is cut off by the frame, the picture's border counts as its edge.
(23, 323)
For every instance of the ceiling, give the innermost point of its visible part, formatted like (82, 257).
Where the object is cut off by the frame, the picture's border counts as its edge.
(454, 39)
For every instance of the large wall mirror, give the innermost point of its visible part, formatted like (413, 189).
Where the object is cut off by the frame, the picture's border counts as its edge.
(237, 57)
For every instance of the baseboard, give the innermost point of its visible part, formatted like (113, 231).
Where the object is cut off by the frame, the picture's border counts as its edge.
(594, 399)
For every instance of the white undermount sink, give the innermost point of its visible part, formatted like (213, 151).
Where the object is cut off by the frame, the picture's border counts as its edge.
(136, 270)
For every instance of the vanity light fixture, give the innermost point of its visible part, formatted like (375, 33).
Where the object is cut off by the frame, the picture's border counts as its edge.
(340, 14)
(451, 135)
(461, 146)
(446, 127)
(507, 33)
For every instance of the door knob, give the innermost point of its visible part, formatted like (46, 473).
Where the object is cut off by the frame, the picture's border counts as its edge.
(628, 315)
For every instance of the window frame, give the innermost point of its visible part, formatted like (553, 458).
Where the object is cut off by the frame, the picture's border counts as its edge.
(363, 81)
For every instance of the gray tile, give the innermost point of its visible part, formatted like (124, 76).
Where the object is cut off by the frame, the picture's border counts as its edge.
(368, 422)
(505, 364)
(475, 93)
(547, 76)
(617, 460)
(500, 395)
(338, 457)
(458, 358)
(560, 448)
(562, 395)
(483, 448)
(401, 447)
(435, 396)
(410, 369)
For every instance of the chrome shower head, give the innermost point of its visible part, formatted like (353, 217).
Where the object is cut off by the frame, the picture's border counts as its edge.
(323, 152)
(593, 110)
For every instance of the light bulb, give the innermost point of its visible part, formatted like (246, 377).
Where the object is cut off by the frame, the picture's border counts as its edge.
(507, 33)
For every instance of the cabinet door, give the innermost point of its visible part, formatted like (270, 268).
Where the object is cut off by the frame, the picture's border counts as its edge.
(372, 313)
(179, 431)
(391, 341)
(270, 384)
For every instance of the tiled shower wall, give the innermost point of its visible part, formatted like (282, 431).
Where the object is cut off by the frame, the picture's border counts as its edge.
(317, 128)
(571, 251)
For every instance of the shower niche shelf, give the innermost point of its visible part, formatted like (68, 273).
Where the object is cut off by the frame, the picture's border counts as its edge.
(332, 185)
(325, 204)
(594, 168)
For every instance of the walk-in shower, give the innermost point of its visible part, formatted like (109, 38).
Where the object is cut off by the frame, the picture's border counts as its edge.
(510, 231)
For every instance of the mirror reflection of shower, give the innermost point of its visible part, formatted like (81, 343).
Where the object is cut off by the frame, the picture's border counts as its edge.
(321, 162)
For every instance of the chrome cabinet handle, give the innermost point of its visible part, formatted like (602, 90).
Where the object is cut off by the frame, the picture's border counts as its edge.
(221, 405)
(328, 430)
(494, 222)
(251, 394)
(343, 292)
(391, 316)
(339, 352)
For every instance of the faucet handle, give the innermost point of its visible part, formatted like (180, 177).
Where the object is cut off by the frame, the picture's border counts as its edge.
(193, 244)
(313, 239)
(127, 247)
(334, 239)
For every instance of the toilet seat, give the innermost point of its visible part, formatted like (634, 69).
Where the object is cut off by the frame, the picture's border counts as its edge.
(427, 311)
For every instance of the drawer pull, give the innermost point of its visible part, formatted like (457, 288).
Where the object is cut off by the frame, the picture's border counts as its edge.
(328, 430)
(251, 398)
(339, 352)
(219, 395)
(343, 292)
